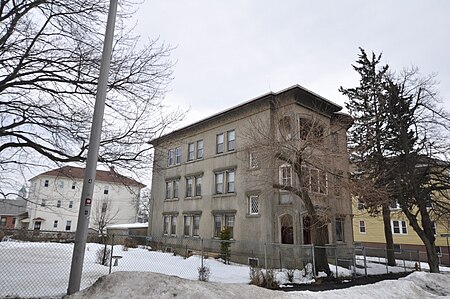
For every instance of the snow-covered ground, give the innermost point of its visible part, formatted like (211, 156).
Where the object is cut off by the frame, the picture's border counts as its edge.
(42, 270)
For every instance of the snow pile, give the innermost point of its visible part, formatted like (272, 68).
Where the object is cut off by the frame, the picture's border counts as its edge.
(132, 285)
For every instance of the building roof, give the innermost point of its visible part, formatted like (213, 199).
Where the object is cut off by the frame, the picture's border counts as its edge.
(111, 176)
(330, 106)
(13, 206)
(128, 225)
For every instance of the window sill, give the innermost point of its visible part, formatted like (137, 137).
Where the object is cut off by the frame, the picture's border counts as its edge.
(225, 153)
(193, 197)
(253, 215)
(171, 199)
(224, 195)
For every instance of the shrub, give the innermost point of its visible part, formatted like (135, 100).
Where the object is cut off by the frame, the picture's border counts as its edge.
(2, 235)
(263, 278)
(203, 273)
(225, 234)
(102, 256)
(290, 274)
(130, 243)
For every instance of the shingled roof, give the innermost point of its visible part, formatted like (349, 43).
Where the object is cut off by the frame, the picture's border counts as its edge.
(72, 172)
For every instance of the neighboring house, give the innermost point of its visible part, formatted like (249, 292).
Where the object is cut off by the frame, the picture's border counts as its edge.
(369, 232)
(13, 211)
(130, 229)
(206, 177)
(54, 198)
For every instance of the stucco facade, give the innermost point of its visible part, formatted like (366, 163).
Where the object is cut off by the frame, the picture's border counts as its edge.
(208, 175)
(54, 199)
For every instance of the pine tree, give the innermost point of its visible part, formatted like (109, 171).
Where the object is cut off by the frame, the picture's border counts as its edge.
(367, 138)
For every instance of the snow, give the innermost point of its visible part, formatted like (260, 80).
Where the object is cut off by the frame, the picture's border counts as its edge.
(42, 270)
(129, 225)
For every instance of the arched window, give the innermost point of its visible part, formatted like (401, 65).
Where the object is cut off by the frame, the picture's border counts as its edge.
(287, 229)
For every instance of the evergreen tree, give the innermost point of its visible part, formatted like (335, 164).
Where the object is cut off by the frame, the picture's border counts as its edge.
(367, 138)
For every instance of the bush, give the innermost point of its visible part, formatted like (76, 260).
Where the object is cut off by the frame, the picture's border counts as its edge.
(263, 278)
(102, 256)
(203, 273)
(2, 235)
(225, 234)
(130, 243)
(290, 274)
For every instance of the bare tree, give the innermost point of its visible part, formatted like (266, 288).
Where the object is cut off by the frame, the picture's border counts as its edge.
(295, 155)
(103, 215)
(50, 55)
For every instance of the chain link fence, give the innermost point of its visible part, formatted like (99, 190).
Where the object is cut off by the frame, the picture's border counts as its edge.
(37, 263)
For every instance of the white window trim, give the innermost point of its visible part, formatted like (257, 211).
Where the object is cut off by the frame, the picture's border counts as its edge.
(250, 205)
(400, 226)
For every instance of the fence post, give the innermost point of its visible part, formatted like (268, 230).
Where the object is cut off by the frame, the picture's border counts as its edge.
(386, 260)
(404, 264)
(418, 257)
(111, 255)
(336, 260)
(202, 252)
(313, 261)
(354, 261)
(265, 255)
(365, 261)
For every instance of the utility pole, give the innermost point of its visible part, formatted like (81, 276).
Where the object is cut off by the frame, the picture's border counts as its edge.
(92, 156)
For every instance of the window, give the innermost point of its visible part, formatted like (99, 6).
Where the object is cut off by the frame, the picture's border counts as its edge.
(169, 189)
(286, 175)
(37, 225)
(46, 182)
(104, 207)
(217, 225)
(191, 150)
(175, 188)
(106, 190)
(68, 224)
(172, 188)
(58, 204)
(438, 251)
(334, 142)
(337, 184)
(219, 143)
(362, 226)
(200, 149)
(433, 227)
(178, 155)
(230, 181)
(225, 181)
(198, 186)
(229, 223)
(55, 224)
(170, 159)
(231, 138)
(70, 204)
(361, 205)
(222, 221)
(173, 226)
(196, 226)
(74, 185)
(399, 227)
(3, 221)
(285, 128)
(253, 159)
(253, 204)
(395, 205)
(166, 225)
(340, 229)
(61, 184)
(187, 226)
(315, 180)
(43, 203)
(189, 182)
(14, 221)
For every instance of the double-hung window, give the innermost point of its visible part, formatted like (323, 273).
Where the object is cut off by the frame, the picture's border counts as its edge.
(189, 186)
(191, 151)
(339, 225)
(399, 227)
(172, 188)
(178, 155)
(231, 140)
(286, 175)
(198, 185)
(362, 226)
(194, 185)
(191, 225)
(225, 181)
(219, 143)
(170, 157)
(222, 221)
(200, 149)
(187, 226)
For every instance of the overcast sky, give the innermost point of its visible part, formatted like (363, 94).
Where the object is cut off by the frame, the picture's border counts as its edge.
(231, 51)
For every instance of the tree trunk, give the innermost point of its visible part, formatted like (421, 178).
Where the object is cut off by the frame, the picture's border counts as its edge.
(319, 235)
(388, 235)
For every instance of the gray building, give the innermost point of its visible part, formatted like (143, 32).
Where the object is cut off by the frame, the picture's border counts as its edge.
(225, 171)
